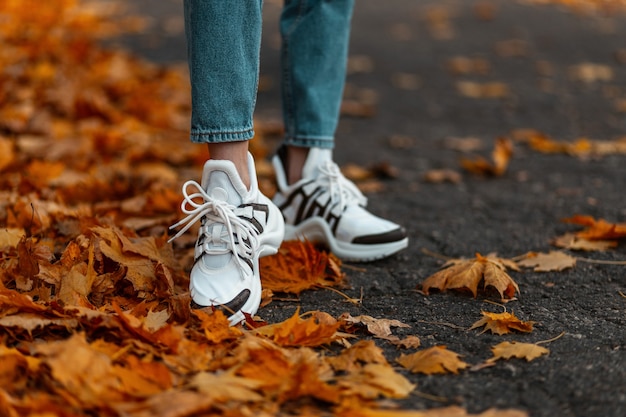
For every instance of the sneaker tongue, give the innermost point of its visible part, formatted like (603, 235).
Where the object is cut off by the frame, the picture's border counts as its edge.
(222, 183)
(224, 187)
(315, 158)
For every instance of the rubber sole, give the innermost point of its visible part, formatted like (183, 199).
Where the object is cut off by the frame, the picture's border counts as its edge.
(317, 230)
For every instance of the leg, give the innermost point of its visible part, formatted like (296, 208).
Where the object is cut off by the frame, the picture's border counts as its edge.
(223, 46)
(238, 223)
(315, 37)
(318, 202)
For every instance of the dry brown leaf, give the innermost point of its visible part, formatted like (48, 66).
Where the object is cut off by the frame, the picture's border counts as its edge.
(10, 237)
(356, 108)
(464, 144)
(572, 242)
(461, 65)
(508, 350)
(546, 262)
(7, 153)
(299, 266)
(597, 229)
(409, 342)
(467, 274)
(500, 157)
(318, 329)
(437, 176)
(362, 352)
(226, 386)
(434, 360)
(285, 374)
(581, 147)
(502, 323)
(378, 327)
(439, 21)
(406, 81)
(590, 72)
(373, 380)
(512, 48)
(490, 90)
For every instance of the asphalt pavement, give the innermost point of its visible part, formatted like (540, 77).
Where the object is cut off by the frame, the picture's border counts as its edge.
(436, 70)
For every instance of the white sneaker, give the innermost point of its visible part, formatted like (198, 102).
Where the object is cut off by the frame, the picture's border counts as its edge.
(326, 207)
(237, 227)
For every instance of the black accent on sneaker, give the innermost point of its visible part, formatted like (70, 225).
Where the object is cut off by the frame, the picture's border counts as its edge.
(263, 208)
(309, 207)
(228, 308)
(391, 236)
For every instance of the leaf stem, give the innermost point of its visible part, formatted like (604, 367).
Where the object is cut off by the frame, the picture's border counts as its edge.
(550, 340)
(498, 304)
(435, 255)
(600, 261)
(355, 301)
(443, 323)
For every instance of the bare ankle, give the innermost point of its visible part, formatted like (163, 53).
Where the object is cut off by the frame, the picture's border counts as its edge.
(296, 157)
(237, 153)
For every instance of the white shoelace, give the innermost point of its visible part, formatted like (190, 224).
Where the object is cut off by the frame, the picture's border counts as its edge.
(340, 188)
(245, 246)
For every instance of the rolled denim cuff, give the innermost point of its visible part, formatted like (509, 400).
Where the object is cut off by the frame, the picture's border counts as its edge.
(198, 136)
(325, 142)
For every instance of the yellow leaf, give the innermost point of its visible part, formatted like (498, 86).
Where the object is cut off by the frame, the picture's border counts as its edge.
(409, 342)
(226, 386)
(286, 374)
(7, 155)
(10, 237)
(81, 370)
(434, 360)
(374, 380)
(216, 327)
(319, 329)
(573, 242)
(508, 350)
(362, 352)
(477, 90)
(502, 323)
(500, 157)
(546, 262)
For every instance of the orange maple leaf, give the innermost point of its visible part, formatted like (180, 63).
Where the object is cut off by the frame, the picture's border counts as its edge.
(362, 352)
(216, 326)
(467, 274)
(318, 329)
(502, 323)
(500, 157)
(508, 350)
(374, 380)
(597, 229)
(300, 266)
(434, 360)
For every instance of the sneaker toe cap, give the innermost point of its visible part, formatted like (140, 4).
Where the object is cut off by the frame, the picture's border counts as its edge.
(394, 235)
(230, 307)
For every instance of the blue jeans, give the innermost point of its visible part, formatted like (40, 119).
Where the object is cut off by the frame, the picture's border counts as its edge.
(224, 42)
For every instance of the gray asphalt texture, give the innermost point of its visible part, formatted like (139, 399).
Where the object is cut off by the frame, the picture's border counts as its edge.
(404, 63)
